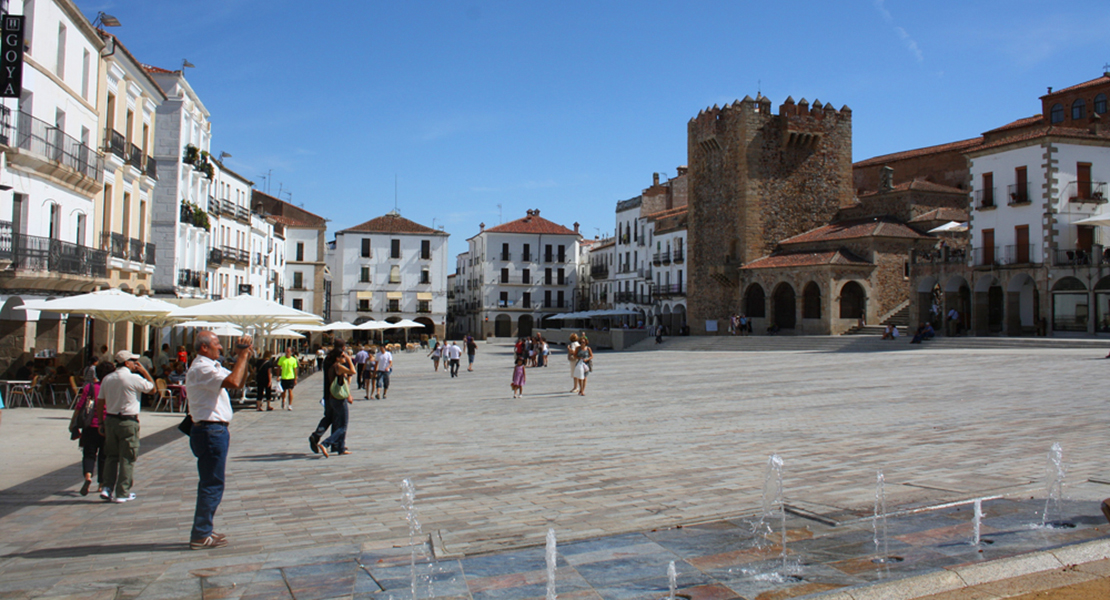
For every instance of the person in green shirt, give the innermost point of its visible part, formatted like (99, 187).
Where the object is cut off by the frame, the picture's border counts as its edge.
(288, 365)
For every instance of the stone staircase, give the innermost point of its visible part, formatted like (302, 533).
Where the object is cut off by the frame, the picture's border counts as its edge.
(862, 343)
(899, 318)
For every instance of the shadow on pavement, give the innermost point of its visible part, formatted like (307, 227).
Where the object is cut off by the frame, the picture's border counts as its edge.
(79, 551)
(274, 457)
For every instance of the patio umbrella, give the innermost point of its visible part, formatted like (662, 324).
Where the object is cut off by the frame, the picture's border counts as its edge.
(339, 326)
(286, 333)
(1099, 219)
(951, 226)
(249, 312)
(406, 324)
(111, 306)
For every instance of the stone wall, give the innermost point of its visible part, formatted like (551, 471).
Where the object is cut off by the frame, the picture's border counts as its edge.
(756, 178)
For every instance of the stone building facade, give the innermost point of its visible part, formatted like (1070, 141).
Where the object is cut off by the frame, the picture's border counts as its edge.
(756, 178)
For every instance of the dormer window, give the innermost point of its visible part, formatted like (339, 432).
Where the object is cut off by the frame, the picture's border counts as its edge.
(1078, 109)
(1057, 113)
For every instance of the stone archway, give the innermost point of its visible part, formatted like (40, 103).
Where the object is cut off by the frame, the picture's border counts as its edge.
(811, 301)
(928, 296)
(785, 304)
(853, 301)
(503, 326)
(988, 306)
(428, 330)
(524, 326)
(1022, 306)
(755, 302)
(1102, 305)
(1070, 310)
(957, 295)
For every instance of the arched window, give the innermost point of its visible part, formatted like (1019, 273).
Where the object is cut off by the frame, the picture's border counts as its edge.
(1100, 104)
(811, 301)
(1078, 109)
(1057, 113)
(755, 302)
(853, 301)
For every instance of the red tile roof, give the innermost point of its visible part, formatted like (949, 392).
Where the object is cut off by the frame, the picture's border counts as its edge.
(806, 259)
(669, 212)
(154, 69)
(533, 224)
(289, 221)
(920, 185)
(854, 229)
(960, 146)
(1027, 121)
(942, 214)
(608, 244)
(1045, 132)
(1103, 80)
(392, 223)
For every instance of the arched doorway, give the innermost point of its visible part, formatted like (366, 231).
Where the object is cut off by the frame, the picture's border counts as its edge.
(989, 306)
(503, 326)
(428, 330)
(957, 295)
(1069, 305)
(1102, 305)
(928, 300)
(667, 318)
(524, 326)
(853, 301)
(755, 302)
(678, 319)
(786, 306)
(1022, 306)
(811, 301)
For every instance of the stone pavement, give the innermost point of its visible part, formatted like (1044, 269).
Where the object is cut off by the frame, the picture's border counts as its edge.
(661, 439)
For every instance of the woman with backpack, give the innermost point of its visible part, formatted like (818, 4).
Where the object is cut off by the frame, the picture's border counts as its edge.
(85, 426)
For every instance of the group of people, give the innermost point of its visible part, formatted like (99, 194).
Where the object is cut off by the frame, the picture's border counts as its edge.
(451, 354)
(739, 324)
(276, 376)
(106, 421)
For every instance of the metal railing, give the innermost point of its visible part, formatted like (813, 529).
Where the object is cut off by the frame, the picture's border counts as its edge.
(1087, 191)
(116, 144)
(1018, 193)
(677, 255)
(39, 254)
(986, 256)
(136, 157)
(43, 139)
(1019, 254)
(672, 289)
(936, 256)
(1076, 257)
(151, 169)
(506, 256)
(135, 250)
(215, 256)
(984, 198)
(599, 271)
(632, 298)
(114, 243)
(148, 255)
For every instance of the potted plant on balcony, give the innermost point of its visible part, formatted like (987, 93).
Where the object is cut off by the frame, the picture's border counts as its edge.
(191, 155)
(200, 219)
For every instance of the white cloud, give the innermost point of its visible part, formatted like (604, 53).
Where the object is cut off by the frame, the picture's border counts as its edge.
(907, 40)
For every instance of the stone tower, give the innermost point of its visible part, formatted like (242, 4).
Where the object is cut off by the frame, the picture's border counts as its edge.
(756, 178)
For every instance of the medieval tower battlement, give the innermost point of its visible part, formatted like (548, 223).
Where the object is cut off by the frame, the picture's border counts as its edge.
(756, 178)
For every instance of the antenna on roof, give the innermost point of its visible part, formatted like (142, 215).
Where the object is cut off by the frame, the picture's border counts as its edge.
(394, 191)
(499, 218)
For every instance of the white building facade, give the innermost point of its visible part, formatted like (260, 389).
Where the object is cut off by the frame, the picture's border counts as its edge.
(390, 268)
(230, 245)
(520, 272)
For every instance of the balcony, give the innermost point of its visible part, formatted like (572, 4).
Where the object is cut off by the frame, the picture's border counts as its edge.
(937, 256)
(677, 256)
(135, 159)
(548, 258)
(235, 255)
(151, 169)
(1076, 257)
(44, 141)
(1018, 193)
(526, 256)
(1019, 254)
(986, 256)
(116, 144)
(1087, 192)
(114, 244)
(984, 198)
(148, 255)
(44, 255)
(631, 298)
(188, 278)
(599, 271)
(506, 256)
(215, 257)
(134, 250)
(669, 290)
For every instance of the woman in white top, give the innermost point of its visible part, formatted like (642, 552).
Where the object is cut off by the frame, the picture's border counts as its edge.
(572, 349)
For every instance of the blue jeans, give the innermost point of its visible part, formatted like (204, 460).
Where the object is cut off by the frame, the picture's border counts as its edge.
(335, 416)
(209, 443)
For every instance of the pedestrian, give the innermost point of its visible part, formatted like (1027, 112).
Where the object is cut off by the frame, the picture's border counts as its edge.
(119, 395)
(207, 385)
(288, 365)
(338, 367)
(371, 373)
(163, 361)
(518, 378)
(87, 420)
(471, 350)
(89, 374)
(546, 351)
(572, 356)
(384, 366)
(454, 353)
(582, 367)
(264, 380)
(182, 355)
(320, 354)
(360, 361)
(953, 322)
(436, 352)
(659, 331)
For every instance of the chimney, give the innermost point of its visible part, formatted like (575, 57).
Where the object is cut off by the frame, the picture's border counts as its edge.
(576, 223)
(482, 226)
(536, 212)
(655, 179)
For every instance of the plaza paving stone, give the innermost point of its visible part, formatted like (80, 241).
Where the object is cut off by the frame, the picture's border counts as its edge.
(662, 439)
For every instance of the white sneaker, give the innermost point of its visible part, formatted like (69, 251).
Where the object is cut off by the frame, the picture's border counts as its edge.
(127, 498)
(106, 495)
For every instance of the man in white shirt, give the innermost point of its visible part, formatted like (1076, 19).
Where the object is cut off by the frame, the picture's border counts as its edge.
(360, 364)
(119, 399)
(206, 385)
(384, 365)
(454, 353)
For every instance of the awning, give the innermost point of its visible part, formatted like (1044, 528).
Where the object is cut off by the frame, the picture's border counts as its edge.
(423, 295)
(364, 295)
(393, 295)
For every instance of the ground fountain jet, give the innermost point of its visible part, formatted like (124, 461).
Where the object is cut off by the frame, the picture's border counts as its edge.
(1055, 473)
(878, 524)
(408, 502)
(550, 556)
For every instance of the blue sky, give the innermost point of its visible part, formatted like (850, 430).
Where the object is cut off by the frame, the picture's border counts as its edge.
(571, 106)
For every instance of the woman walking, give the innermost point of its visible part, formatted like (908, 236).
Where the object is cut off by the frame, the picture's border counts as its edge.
(572, 356)
(88, 420)
(338, 368)
(436, 352)
(370, 374)
(582, 367)
(263, 380)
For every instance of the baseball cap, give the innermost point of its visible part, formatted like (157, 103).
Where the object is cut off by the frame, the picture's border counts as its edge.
(125, 355)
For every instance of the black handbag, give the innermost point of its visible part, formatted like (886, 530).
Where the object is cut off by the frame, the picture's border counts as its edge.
(186, 425)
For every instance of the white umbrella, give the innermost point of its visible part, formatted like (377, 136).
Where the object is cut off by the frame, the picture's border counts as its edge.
(1099, 219)
(951, 226)
(248, 312)
(374, 326)
(406, 324)
(110, 305)
(308, 327)
(339, 326)
(286, 333)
